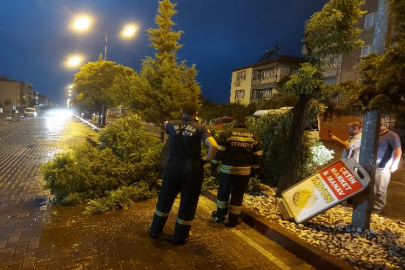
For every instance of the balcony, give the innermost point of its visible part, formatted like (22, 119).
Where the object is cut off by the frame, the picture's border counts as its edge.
(263, 81)
(332, 71)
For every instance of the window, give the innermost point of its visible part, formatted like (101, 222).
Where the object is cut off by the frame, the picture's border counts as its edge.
(330, 80)
(239, 94)
(366, 50)
(266, 93)
(255, 94)
(369, 22)
(256, 75)
(267, 74)
(293, 70)
(241, 76)
(261, 93)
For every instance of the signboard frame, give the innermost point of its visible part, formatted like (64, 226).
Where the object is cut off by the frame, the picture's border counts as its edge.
(353, 167)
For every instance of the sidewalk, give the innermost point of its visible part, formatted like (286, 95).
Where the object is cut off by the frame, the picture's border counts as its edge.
(37, 235)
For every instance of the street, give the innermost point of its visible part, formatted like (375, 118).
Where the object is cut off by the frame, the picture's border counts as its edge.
(35, 234)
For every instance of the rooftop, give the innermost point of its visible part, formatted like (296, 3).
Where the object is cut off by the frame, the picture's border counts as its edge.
(283, 58)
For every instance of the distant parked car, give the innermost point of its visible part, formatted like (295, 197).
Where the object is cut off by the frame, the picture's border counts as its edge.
(218, 123)
(30, 112)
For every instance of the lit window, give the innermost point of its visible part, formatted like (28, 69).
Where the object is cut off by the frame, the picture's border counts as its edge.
(369, 22)
(366, 50)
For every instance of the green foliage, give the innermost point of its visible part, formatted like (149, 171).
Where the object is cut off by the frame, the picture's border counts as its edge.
(95, 80)
(165, 84)
(210, 110)
(307, 81)
(333, 30)
(7, 102)
(121, 198)
(278, 101)
(320, 154)
(128, 139)
(128, 157)
(273, 130)
(397, 11)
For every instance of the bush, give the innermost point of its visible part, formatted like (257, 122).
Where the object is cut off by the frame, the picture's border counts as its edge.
(122, 161)
(121, 198)
(273, 131)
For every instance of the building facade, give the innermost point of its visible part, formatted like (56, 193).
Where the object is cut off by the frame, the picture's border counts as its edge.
(343, 67)
(259, 81)
(9, 95)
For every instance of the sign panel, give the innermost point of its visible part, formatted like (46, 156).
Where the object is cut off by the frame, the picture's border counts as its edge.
(323, 190)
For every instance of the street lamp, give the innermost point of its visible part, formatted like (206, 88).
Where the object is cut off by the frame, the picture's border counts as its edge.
(70, 86)
(83, 23)
(74, 61)
(129, 31)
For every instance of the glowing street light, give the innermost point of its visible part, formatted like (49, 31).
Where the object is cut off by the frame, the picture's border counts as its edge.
(74, 61)
(82, 23)
(70, 91)
(70, 86)
(129, 31)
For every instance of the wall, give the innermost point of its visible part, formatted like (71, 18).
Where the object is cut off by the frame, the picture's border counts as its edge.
(10, 90)
(337, 125)
(350, 61)
(244, 85)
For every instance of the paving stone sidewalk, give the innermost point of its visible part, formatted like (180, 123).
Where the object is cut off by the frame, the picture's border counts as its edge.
(37, 235)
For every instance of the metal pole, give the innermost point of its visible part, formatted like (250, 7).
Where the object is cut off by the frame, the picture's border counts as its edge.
(105, 52)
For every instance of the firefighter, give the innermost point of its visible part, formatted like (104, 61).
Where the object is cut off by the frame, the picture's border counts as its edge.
(183, 173)
(240, 155)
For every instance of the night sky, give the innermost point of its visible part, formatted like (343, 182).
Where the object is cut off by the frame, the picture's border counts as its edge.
(220, 35)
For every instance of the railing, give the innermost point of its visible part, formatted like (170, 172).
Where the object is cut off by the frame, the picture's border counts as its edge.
(263, 81)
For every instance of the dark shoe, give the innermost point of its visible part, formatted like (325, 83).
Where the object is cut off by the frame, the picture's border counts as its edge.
(234, 224)
(154, 236)
(176, 242)
(218, 219)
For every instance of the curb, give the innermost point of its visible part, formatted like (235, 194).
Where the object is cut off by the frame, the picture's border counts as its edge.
(88, 123)
(290, 242)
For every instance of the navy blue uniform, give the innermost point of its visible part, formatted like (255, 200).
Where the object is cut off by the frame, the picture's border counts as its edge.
(184, 173)
(240, 156)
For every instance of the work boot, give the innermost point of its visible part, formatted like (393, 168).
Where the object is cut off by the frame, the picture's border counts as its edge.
(234, 224)
(218, 219)
(154, 236)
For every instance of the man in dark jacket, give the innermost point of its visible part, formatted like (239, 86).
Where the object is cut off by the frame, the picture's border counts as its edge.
(240, 155)
(183, 173)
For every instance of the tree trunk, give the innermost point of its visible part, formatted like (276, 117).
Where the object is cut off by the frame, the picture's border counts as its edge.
(288, 176)
(103, 114)
(99, 116)
(162, 132)
(363, 202)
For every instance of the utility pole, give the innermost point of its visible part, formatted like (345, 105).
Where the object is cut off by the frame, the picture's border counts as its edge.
(363, 203)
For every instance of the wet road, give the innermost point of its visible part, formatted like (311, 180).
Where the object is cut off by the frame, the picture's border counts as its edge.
(37, 235)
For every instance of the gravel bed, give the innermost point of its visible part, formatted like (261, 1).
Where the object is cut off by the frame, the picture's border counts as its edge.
(381, 247)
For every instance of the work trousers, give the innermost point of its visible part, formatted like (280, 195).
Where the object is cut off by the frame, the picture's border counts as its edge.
(382, 179)
(181, 175)
(234, 186)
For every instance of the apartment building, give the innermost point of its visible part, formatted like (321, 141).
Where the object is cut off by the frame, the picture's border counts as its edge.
(343, 67)
(259, 80)
(9, 95)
